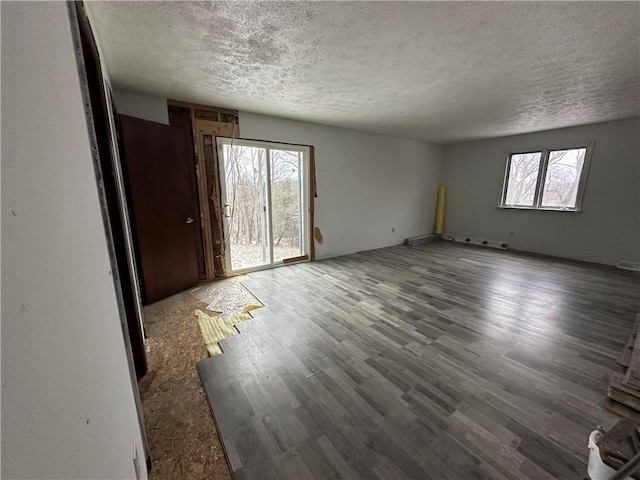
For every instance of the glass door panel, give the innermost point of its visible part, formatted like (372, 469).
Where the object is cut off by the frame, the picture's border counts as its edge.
(287, 203)
(265, 198)
(245, 197)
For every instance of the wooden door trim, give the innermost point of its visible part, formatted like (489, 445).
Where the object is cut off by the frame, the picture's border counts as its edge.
(211, 127)
(205, 217)
(313, 193)
(214, 127)
(198, 106)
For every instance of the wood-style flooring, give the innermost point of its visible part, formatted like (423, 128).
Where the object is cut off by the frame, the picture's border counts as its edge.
(439, 361)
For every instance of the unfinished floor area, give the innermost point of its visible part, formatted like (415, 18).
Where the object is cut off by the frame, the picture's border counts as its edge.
(180, 431)
(439, 361)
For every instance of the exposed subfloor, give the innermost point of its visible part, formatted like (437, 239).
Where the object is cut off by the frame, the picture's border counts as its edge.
(438, 361)
(182, 437)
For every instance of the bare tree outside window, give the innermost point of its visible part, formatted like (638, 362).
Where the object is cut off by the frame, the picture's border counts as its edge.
(563, 177)
(523, 176)
(549, 179)
(245, 180)
(286, 200)
(249, 235)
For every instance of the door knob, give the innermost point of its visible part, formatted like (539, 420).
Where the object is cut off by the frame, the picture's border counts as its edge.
(189, 220)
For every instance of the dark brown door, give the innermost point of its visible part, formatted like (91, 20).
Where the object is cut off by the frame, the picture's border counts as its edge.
(162, 186)
(108, 165)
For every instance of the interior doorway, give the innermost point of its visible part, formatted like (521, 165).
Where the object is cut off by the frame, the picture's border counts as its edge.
(265, 197)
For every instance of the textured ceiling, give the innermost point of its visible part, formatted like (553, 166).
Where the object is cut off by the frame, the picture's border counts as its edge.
(436, 71)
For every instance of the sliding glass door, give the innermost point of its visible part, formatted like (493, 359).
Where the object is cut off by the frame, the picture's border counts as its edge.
(265, 197)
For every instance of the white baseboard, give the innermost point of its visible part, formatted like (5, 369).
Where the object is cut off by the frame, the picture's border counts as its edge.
(476, 241)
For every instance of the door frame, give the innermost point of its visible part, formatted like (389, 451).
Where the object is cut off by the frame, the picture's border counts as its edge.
(100, 117)
(307, 198)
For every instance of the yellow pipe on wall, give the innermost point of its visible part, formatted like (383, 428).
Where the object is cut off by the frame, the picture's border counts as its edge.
(442, 195)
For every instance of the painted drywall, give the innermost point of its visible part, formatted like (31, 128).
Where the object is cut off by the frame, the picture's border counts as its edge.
(68, 408)
(126, 231)
(146, 107)
(606, 231)
(368, 184)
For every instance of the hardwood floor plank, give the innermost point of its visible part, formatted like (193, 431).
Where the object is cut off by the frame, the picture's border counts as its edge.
(436, 361)
(546, 453)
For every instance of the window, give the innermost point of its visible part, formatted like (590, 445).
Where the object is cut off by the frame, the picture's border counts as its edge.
(547, 179)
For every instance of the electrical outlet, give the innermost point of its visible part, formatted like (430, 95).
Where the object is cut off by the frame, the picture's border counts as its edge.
(136, 462)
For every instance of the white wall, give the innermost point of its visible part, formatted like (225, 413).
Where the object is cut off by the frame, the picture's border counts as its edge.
(606, 231)
(367, 183)
(68, 407)
(146, 107)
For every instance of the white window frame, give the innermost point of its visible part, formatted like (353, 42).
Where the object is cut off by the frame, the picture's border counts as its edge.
(542, 175)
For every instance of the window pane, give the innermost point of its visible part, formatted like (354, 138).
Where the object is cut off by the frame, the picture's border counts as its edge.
(563, 177)
(523, 176)
(245, 180)
(287, 198)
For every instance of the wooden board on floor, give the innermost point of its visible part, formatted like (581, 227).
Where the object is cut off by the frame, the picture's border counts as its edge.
(625, 395)
(625, 357)
(632, 377)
